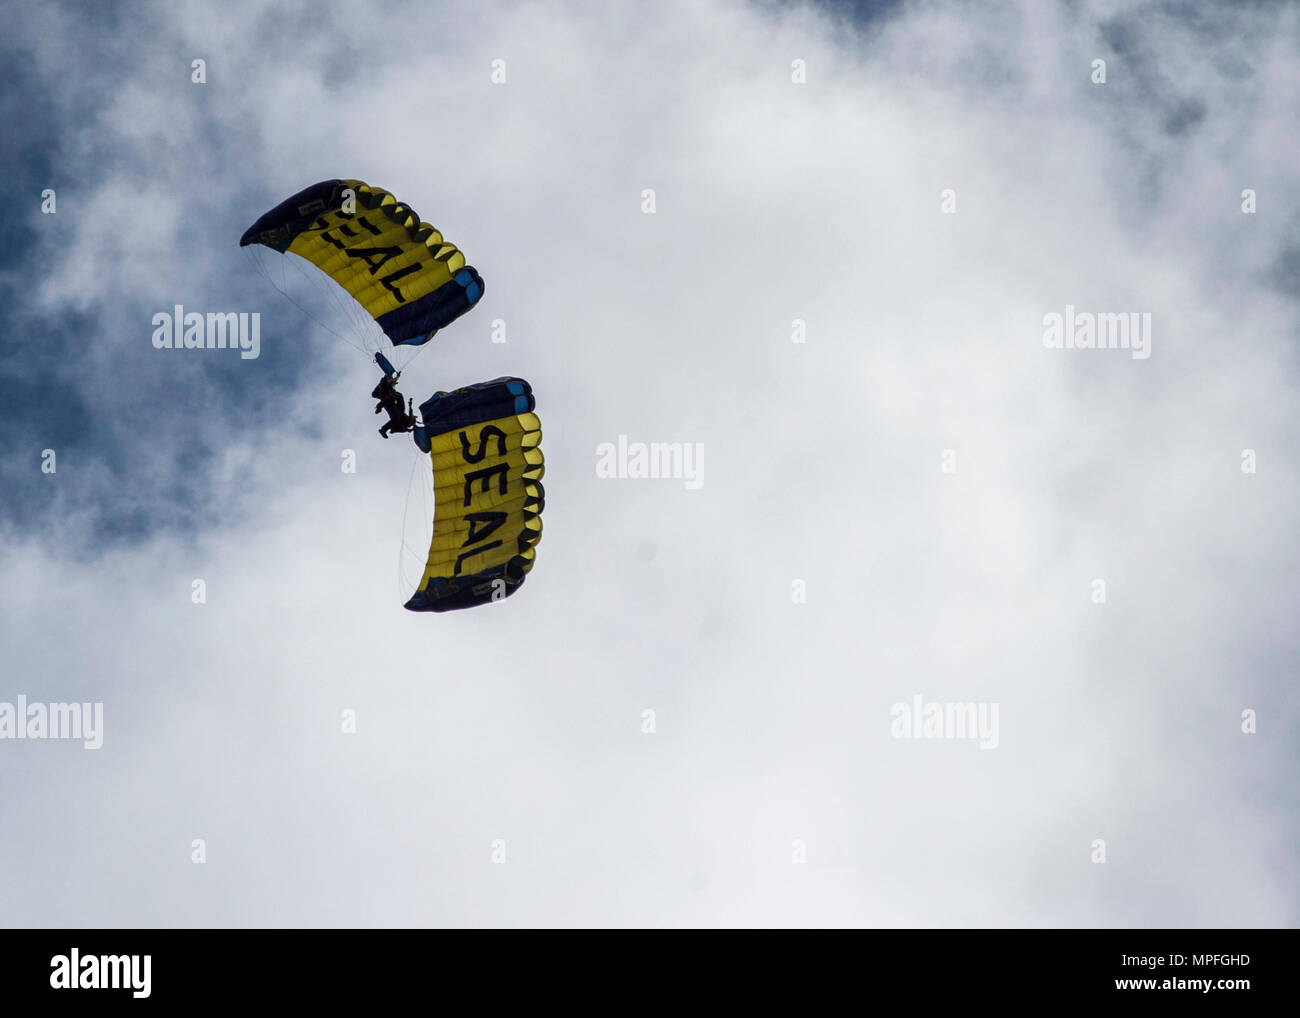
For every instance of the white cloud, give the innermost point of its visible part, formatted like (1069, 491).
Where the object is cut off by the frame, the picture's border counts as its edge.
(521, 721)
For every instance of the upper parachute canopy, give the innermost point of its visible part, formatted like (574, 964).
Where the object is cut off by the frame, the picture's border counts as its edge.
(410, 280)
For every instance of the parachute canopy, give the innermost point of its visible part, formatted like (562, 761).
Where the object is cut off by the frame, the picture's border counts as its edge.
(485, 444)
(409, 280)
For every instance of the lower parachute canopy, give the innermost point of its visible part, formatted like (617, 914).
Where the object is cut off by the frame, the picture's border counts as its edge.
(485, 444)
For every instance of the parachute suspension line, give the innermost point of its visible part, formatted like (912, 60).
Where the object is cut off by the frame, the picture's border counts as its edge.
(368, 334)
(347, 309)
(343, 303)
(283, 291)
(404, 586)
(282, 288)
(416, 353)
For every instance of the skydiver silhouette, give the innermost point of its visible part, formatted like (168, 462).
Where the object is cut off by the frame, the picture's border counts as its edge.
(400, 418)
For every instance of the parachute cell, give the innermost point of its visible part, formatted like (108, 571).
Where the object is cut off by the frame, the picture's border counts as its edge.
(484, 444)
(401, 270)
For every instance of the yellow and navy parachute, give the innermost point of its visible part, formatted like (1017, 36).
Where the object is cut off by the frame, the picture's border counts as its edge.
(485, 444)
(401, 270)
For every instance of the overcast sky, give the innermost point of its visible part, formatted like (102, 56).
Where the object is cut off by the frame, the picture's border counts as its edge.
(687, 714)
